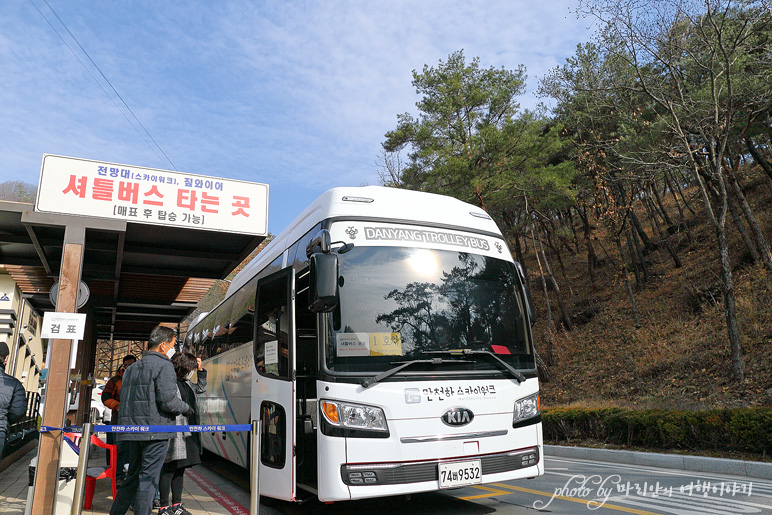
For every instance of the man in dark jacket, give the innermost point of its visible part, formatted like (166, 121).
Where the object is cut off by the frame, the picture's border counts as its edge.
(13, 401)
(148, 398)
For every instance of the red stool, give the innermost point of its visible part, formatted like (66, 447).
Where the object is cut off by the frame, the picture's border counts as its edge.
(94, 473)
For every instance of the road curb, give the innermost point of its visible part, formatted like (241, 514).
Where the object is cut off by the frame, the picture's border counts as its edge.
(754, 469)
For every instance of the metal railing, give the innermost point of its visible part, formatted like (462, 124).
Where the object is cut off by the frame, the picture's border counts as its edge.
(28, 423)
(88, 429)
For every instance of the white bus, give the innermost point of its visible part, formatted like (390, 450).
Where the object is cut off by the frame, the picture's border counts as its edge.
(384, 340)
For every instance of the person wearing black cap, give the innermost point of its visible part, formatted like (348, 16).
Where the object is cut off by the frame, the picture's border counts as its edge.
(13, 402)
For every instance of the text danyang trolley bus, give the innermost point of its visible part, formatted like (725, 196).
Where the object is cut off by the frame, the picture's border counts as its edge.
(384, 340)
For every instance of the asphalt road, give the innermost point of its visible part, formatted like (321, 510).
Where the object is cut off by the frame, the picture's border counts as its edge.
(570, 486)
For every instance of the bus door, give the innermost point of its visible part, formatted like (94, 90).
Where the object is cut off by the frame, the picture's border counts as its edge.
(273, 390)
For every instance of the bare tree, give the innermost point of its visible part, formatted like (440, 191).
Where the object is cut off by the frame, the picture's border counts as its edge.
(390, 166)
(692, 61)
(18, 191)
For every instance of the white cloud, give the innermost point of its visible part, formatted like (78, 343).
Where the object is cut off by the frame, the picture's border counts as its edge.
(297, 94)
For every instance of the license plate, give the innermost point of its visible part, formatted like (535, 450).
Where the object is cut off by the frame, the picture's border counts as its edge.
(460, 473)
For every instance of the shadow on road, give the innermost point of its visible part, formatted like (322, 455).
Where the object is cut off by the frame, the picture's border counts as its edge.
(429, 504)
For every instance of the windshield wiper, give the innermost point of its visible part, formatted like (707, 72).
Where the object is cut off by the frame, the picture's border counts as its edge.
(466, 352)
(404, 364)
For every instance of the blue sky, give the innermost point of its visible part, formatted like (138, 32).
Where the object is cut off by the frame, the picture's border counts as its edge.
(295, 94)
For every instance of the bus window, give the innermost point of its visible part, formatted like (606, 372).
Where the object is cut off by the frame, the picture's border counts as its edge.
(297, 253)
(271, 344)
(243, 315)
(305, 324)
(219, 341)
(272, 438)
(241, 330)
(197, 345)
(274, 267)
(221, 316)
(204, 344)
(398, 303)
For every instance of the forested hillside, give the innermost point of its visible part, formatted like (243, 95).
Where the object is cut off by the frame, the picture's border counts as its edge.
(640, 201)
(669, 349)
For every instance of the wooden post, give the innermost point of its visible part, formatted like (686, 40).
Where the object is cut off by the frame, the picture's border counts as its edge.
(47, 472)
(85, 365)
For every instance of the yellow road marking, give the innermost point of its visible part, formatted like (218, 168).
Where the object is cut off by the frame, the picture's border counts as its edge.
(494, 492)
(574, 499)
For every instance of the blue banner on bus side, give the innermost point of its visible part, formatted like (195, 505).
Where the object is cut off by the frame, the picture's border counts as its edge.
(154, 429)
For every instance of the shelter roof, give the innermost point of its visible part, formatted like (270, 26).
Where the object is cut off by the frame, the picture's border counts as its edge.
(139, 275)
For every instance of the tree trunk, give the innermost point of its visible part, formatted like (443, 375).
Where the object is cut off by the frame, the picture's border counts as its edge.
(611, 260)
(628, 286)
(550, 322)
(708, 184)
(753, 223)
(573, 230)
(738, 221)
(768, 125)
(563, 273)
(618, 192)
(641, 258)
(687, 178)
(718, 220)
(556, 251)
(519, 250)
(662, 235)
(730, 309)
(682, 218)
(542, 369)
(592, 259)
(567, 221)
(563, 311)
(665, 216)
(639, 281)
(674, 184)
(639, 229)
(763, 163)
(509, 222)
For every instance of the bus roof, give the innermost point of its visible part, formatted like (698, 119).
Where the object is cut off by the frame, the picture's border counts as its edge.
(368, 202)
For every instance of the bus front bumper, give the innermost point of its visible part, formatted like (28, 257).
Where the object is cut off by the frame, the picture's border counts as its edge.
(365, 480)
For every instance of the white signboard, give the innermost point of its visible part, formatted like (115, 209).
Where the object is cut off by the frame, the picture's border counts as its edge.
(63, 326)
(271, 352)
(144, 195)
(353, 344)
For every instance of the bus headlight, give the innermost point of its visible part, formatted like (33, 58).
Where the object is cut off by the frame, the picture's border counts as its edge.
(354, 416)
(526, 408)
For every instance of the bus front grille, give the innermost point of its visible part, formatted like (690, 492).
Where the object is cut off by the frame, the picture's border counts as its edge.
(416, 472)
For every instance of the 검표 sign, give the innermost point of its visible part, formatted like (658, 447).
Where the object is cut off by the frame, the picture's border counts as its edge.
(66, 326)
(84, 187)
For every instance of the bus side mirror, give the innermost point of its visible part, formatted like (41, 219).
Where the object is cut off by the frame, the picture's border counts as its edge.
(323, 289)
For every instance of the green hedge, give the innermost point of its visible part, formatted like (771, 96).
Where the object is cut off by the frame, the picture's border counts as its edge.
(745, 430)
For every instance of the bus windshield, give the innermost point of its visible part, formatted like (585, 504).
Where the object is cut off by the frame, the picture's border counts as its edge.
(399, 304)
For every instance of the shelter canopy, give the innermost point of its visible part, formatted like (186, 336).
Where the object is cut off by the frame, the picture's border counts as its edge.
(139, 275)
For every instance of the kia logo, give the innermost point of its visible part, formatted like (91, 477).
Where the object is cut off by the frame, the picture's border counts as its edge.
(457, 416)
